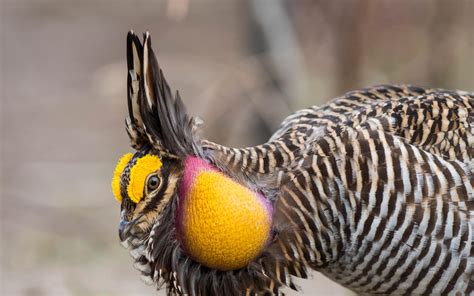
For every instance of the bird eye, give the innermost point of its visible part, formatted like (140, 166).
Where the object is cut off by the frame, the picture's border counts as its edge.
(153, 183)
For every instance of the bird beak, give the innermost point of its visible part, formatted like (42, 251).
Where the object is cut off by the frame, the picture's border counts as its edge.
(123, 229)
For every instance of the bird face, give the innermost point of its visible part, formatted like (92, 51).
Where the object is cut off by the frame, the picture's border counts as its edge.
(144, 184)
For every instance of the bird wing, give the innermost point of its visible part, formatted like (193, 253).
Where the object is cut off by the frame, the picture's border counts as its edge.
(342, 108)
(438, 121)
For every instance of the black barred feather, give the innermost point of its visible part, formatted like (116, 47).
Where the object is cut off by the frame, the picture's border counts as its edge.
(155, 115)
(373, 189)
(133, 122)
(354, 172)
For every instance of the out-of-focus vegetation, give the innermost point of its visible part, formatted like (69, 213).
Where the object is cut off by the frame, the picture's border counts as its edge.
(241, 65)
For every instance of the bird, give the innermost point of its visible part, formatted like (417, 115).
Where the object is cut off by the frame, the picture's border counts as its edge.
(372, 189)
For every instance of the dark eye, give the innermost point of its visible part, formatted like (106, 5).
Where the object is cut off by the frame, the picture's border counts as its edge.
(153, 183)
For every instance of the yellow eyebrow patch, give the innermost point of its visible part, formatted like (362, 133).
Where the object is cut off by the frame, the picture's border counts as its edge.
(138, 174)
(117, 173)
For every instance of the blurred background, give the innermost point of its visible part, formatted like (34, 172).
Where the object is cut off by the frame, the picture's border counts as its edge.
(240, 65)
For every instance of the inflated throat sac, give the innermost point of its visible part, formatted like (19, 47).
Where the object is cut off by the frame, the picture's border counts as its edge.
(221, 224)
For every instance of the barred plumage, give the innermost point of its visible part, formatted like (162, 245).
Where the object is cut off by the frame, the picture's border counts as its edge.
(378, 173)
(373, 189)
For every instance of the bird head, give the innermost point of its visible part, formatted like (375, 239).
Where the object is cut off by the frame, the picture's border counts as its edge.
(180, 211)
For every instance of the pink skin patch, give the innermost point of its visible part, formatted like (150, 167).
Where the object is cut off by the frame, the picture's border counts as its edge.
(193, 166)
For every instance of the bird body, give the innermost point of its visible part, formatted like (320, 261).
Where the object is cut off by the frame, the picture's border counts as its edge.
(373, 189)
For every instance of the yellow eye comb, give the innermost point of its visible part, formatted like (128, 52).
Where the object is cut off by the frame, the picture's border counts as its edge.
(117, 173)
(138, 174)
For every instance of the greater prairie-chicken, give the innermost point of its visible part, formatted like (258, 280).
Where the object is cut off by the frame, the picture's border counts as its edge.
(373, 189)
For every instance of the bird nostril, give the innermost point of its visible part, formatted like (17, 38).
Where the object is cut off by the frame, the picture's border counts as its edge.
(123, 229)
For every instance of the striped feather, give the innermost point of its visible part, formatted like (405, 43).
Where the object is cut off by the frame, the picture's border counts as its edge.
(375, 188)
